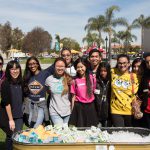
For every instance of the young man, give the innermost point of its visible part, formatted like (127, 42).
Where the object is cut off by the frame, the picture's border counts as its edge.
(95, 59)
(144, 91)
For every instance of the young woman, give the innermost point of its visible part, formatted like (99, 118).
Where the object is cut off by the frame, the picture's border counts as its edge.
(66, 54)
(58, 85)
(2, 73)
(144, 92)
(35, 105)
(122, 92)
(11, 119)
(137, 68)
(103, 93)
(136, 65)
(82, 90)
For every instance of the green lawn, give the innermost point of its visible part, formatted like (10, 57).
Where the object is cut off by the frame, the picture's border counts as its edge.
(2, 138)
(42, 60)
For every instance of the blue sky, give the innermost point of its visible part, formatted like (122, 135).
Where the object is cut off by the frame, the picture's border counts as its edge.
(66, 17)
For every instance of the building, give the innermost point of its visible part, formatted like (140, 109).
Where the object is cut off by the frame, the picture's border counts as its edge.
(146, 40)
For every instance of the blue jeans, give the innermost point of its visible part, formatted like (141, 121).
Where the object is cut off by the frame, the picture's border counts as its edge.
(40, 117)
(57, 119)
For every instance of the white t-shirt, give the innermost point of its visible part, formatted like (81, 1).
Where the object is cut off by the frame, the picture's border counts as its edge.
(71, 71)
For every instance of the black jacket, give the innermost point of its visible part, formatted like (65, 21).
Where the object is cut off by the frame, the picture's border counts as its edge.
(6, 99)
(144, 89)
(102, 99)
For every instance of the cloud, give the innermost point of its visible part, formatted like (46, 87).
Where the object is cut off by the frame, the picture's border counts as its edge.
(66, 17)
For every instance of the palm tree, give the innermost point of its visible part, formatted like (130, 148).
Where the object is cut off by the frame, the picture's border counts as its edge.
(111, 22)
(96, 24)
(90, 38)
(128, 36)
(124, 38)
(142, 22)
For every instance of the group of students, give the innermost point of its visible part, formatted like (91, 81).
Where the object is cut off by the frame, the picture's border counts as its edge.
(82, 93)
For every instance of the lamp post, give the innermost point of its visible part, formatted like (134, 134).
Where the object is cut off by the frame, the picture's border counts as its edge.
(106, 39)
(114, 51)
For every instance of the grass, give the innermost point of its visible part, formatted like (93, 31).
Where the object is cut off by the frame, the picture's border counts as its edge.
(2, 140)
(3, 137)
(42, 60)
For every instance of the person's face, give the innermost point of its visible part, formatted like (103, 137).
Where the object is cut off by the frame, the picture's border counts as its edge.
(136, 67)
(14, 72)
(81, 69)
(67, 56)
(33, 66)
(1, 64)
(123, 64)
(60, 68)
(147, 60)
(95, 59)
(103, 73)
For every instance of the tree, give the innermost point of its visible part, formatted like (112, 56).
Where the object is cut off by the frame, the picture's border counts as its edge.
(17, 38)
(96, 24)
(5, 37)
(142, 22)
(111, 22)
(70, 43)
(90, 38)
(125, 38)
(37, 41)
(128, 38)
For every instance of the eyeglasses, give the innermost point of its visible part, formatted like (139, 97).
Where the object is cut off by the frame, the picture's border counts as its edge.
(122, 63)
(32, 64)
(66, 55)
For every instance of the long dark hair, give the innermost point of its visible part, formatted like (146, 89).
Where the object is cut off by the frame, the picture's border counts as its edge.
(1, 58)
(87, 74)
(27, 73)
(136, 60)
(104, 65)
(9, 66)
(143, 64)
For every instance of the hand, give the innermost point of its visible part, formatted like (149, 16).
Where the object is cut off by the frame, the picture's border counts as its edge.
(12, 125)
